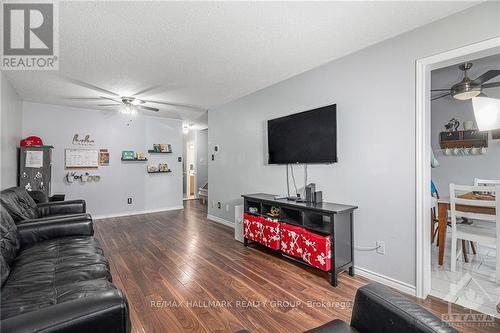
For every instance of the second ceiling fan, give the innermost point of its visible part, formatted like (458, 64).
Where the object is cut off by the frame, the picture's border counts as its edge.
(468, 88)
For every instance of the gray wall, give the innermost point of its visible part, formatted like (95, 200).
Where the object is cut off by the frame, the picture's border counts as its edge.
(56, 125)
(201, 158)
(11, 123)
(461, 169)
(375, 93)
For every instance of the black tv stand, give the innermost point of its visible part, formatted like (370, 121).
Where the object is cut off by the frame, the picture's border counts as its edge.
(325, 218)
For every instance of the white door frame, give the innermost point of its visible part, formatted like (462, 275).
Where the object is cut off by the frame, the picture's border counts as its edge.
(424, 67)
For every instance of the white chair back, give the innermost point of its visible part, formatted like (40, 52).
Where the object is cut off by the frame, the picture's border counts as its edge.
(455, 200)
(482, 230)
(486, 182)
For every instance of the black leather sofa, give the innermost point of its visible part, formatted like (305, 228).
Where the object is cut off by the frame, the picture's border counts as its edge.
(55, 278)
(22, 207)
(380, 309)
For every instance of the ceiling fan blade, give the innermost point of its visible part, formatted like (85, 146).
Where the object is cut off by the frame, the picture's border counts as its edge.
(491, 85)
(440, 96)
(108, 104)
(485, 77)
(143, 91)
(176, 104)
(84, 98)
(147, 108)
(448, 89)
(112, 99)
(91, 86)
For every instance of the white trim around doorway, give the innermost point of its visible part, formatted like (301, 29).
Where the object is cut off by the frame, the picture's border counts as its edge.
(424, 67)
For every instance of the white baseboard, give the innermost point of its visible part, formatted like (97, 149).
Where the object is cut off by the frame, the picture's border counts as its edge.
(220, 220)
(136, 212)
(388, 281)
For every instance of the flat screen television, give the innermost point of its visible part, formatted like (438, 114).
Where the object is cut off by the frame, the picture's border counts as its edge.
(305, 137)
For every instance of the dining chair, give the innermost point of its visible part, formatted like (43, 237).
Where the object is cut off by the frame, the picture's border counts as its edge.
(434, 215)
(486, 182)
(435, 225)
(485, 228)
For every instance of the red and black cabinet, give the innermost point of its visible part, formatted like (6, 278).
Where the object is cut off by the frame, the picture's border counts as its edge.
(319, 235)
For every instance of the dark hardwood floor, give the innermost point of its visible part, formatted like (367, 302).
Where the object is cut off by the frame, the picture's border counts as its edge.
(184, 273)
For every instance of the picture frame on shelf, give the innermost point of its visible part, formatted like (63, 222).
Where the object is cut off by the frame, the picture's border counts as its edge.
(128, 155)
(161, 148)
(140, 155)
(152, 168)
(163, 167)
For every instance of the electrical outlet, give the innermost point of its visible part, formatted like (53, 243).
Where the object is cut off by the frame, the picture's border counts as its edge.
(213, 157)
(219, 205)
(129, 201)
(380, 247)
(227, 208)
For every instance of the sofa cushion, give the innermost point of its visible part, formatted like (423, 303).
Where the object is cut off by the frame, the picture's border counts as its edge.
(9, 242)
(44, 297)
(18, 203)
(42, 274)
(57, 262)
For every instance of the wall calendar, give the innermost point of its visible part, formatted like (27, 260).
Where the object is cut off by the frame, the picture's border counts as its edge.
(81, 158)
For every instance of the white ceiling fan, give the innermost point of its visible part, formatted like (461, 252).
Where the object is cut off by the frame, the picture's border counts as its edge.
(128, 104)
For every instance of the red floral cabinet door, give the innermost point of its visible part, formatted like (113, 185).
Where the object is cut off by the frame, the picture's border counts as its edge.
(317, 250)
(271, 233)
(291, 240)
(252, 227)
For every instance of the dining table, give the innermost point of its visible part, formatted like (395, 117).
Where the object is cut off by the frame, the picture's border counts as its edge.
(444, 206)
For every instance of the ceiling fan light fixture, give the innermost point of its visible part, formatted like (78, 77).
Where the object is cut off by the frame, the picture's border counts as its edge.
(129, 109)
(487, 112)
(468, 94)
(469, 88)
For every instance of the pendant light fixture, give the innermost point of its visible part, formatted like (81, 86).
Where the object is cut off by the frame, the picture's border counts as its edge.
(487, 112)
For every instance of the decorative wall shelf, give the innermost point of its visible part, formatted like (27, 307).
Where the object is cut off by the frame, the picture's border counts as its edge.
(169, 171)
(463, 139)
(134, 160)
(158, 152)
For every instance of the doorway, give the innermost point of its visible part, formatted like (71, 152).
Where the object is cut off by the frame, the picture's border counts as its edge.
(424, 149)
(195, 164)
(189, 165)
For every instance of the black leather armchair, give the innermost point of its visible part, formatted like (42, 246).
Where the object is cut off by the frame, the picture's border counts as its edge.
(380, 309)
(21, 205)
(55, 278)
